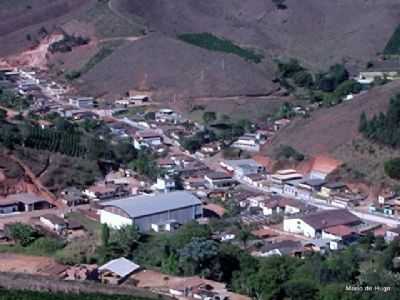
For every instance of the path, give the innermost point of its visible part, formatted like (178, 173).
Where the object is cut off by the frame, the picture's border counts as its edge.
(49, 196)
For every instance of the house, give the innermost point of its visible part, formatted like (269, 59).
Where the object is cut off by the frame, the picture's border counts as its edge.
(368, 77)
(248, 142)
(72, 196)
(117, 270)
(82, 102)
(166, 116)
(219, 180)
(210, 148)
(312, 225)
(54, 223)
(242, 167)
(8, 206)
(332, 188)
(342, 233)
(281, 123)
(145, 210)
(194, 183)
(103, 191)
(147, 139)
(283, 176)
(258, 180)
(286, 247)
(29, 201)
(306, 188)
(164, 184)
(281, 205)
(392, 233)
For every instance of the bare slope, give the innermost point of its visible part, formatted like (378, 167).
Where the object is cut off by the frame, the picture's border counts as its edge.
(329, 129)
(170, 67)
(20, 21)
(317, 32)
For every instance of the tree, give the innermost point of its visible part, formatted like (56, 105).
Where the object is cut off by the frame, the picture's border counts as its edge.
(124, 241)
(105, 235)
(198, 257)
(363, 125)
(22, 233)
(303, 79)
(244, 236)
(3, 114)
(209, 117)
(300, 289)
(392, 168)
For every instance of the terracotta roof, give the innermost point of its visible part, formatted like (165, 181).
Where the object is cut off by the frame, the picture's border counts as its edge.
(329, 218)
(264, 232)
(339, 230)
(219, 210)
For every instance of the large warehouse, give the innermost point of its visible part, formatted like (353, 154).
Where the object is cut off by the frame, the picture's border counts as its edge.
(149, 211)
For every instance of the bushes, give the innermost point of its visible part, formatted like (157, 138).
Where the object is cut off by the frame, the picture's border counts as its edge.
(209, 41)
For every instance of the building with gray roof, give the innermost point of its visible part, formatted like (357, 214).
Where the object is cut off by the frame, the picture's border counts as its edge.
(145, 210)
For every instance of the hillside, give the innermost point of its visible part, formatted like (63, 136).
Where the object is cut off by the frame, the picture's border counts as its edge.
(318, 33)
(330, 128)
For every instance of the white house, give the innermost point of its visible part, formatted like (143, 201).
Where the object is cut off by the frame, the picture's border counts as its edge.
(242, 167)
(219, 180)
(249, 142)
(165, 184)
(147, 139)
(313, 224)
(54, 222)
(82, 102)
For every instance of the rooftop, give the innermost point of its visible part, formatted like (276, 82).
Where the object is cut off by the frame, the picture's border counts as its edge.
(329, 218)
(120, 266)
(54, 219)
(138, 206)
(218, 175)
(26, 198)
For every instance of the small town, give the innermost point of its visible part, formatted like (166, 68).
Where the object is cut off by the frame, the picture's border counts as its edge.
(226, 164)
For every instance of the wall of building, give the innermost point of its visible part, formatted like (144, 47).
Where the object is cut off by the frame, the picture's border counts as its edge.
(8, 209)
(299, 227)
(113, 220)
(182, 216)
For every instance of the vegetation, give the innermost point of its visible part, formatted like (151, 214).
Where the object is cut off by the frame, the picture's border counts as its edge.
(383, 128)
(392, 168)
(11, 99)
(280, 4)
(328, 87)
(286, 152)
(67, 43)
(30, 241)
(32, 295)
(98, 57)
(209, 117)
(393, 45)
(211, 42)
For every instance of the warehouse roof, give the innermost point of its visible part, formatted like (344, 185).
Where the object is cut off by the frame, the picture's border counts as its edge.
(143, 205)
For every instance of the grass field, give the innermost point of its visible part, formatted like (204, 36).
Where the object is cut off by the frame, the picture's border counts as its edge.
(211, 42)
